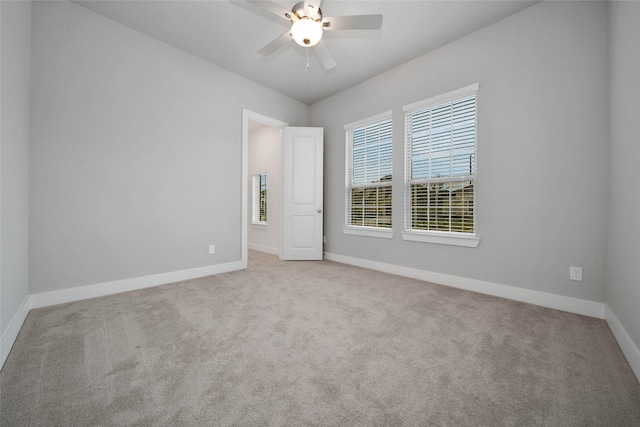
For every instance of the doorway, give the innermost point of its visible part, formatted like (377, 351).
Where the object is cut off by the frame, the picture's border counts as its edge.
(292, 226)
(259, 135)
(265, 188)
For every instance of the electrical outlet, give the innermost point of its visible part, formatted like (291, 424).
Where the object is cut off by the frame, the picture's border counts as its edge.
(575, 273)
(212, 249)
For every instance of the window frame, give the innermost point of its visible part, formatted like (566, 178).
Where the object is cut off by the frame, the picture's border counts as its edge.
(257, 210)
(435, 236)
(364, 230)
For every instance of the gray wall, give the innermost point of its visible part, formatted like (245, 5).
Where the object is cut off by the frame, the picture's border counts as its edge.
(14, 203)
(266, 155)
(623, 267)
(135, 152)
(542, 156)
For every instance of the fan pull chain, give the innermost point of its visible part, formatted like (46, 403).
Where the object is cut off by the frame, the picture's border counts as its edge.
(306, 71)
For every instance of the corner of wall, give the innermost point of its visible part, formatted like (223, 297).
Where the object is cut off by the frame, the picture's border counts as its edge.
(10, 334)
(14, 170)
(628, 347)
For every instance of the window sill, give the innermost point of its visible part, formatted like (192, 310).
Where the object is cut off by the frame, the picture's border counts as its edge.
(259, 224)
(369, 232)
(442, 238)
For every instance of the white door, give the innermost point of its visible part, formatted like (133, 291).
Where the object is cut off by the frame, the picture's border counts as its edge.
(303, 194)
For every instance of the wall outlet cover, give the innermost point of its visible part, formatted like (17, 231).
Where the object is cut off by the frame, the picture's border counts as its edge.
(575, 273)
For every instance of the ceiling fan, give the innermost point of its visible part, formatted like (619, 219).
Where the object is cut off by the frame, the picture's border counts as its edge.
(308, 25)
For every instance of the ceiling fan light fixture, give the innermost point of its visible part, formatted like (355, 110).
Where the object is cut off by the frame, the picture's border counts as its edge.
(306, 32)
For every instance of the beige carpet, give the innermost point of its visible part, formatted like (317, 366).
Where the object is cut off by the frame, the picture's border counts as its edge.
(313, 343)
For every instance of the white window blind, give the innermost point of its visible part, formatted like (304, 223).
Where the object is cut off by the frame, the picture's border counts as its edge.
(440, 181)
(369, 165)
(260, 198)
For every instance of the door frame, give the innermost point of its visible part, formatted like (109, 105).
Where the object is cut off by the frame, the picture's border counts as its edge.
(269, 121)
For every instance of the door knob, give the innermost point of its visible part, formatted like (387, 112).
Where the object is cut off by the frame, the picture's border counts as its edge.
(319, 210)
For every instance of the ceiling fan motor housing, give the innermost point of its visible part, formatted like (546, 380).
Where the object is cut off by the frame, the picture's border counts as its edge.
(300, 12)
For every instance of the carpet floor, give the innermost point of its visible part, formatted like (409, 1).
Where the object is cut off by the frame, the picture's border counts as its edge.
(313, 344)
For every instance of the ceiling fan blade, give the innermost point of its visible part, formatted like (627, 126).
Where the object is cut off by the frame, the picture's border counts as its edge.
(276, 44)
(353, 22)
(273, 8)
(325, 56)
(312, 6)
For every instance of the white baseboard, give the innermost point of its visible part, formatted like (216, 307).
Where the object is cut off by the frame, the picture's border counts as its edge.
(11, 333)
(260, 248)
(559, 302)
(544, 299)
(46, 299)
(61, 296)
(629, 348)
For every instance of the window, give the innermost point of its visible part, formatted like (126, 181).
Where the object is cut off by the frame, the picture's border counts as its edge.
(369, 163)
(440, 172)
(260, 198)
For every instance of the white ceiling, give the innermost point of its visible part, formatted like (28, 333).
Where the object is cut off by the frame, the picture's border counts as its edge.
(229, 34)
